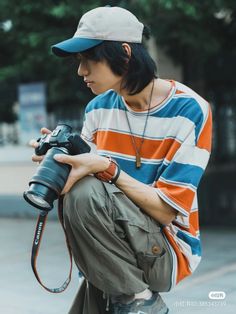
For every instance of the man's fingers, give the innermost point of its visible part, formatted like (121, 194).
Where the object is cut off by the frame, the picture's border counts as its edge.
(45, 131)
(70, 182)
(67, 159)
(33, 143)
(37, 158)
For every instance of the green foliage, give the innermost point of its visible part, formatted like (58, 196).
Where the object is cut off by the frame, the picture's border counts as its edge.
(192, 32)
(195, 25)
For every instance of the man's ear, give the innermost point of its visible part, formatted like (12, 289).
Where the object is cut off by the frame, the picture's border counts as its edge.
(127, 49)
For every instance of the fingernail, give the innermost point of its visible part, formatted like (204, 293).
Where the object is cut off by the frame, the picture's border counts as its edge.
(57, 157)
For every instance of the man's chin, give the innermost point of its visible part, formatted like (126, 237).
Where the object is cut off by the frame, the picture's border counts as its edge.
(98, 92)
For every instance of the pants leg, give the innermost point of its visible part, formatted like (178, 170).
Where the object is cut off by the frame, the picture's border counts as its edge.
(114, 244)
(89, 300)
(105, 259)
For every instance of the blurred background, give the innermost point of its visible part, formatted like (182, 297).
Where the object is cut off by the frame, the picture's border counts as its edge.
(193, 42)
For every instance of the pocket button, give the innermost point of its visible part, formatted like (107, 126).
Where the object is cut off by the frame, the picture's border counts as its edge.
(156, 249)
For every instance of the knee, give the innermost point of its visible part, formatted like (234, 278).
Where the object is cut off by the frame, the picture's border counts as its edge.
(81, 201)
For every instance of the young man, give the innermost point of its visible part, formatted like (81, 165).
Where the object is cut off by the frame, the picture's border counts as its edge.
(130, 207)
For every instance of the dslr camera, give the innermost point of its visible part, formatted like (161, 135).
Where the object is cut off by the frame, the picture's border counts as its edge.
(49, 180)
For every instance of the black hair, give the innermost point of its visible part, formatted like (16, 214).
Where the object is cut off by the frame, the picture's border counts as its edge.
(137, 71)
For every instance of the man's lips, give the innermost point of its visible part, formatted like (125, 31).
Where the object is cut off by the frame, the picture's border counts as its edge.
(88, 82)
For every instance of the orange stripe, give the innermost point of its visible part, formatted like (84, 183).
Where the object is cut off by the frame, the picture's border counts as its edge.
(173, 147)
(122, 143)
(177, 194)
(205, 137)
(179, 92)
(194, 222)
(182, 262)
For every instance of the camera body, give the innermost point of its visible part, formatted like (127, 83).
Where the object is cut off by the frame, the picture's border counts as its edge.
(62, 137)
(48, 182)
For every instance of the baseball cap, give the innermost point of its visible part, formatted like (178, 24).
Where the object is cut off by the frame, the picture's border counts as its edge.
(97, 25)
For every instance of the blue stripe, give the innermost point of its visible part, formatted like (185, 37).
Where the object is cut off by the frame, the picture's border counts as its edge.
(145, 174)
(160, 170)
(108, 100)
(194, 243)
(184, 107)
(184, 173)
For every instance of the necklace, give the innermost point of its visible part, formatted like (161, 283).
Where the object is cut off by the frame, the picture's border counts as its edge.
(137, 149)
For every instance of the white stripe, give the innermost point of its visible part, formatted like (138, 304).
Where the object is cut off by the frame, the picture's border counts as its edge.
(129, 157)
(194, 207)
(176, 127)
(192, 155)
(182, 221)
(176, 96)
(179, 184)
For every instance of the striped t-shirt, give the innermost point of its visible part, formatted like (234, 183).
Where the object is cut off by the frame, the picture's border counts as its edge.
(174, 155)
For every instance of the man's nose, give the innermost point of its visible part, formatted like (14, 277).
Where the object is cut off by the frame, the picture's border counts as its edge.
(83, 69)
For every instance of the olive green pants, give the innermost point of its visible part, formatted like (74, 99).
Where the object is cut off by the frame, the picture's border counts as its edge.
(118, 248)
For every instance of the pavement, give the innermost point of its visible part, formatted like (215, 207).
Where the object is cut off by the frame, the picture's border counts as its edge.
(210, 290)
(16, 170)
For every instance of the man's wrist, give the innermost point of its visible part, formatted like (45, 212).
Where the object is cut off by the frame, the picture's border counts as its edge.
(111, 174)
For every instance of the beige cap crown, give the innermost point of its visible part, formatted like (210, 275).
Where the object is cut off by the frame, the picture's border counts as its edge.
(110, 23)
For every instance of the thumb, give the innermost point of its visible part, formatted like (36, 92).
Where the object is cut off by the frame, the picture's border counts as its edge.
(65, 159)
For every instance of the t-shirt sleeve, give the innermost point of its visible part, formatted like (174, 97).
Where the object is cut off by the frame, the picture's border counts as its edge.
(88, 132)
(177, 185)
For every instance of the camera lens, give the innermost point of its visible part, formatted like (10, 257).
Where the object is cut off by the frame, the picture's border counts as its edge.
(40, 196)
(38, 200)
(46, 185)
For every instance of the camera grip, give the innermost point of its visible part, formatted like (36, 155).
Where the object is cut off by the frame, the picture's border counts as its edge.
(78, 145)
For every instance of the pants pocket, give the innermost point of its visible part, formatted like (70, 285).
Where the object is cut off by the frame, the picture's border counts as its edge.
(145, 237)
(157, 267)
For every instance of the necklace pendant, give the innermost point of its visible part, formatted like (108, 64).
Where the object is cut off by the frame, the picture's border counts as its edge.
(138, 161)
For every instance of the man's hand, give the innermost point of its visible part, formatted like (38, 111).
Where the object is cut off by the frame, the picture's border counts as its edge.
(33, 143)
(81, 166)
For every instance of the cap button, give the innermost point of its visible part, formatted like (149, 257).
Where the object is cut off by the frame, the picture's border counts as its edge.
(156, 249)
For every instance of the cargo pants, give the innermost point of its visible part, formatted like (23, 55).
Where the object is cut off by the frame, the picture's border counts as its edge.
(118, 248)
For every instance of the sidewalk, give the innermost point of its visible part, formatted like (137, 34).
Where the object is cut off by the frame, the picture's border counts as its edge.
(20, 293)
(15, 153)
(16, 170)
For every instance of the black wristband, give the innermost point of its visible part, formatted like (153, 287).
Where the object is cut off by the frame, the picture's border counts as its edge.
(116, 176)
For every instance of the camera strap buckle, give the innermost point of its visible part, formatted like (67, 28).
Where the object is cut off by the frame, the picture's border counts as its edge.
(36, 244)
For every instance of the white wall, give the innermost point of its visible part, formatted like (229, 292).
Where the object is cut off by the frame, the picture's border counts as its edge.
(165, 66)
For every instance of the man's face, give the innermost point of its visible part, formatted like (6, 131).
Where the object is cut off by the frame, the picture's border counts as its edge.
(98, 76)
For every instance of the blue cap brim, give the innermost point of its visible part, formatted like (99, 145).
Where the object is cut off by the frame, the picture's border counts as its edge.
(74, 45)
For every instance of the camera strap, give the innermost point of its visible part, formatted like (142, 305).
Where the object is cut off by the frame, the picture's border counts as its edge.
(42, 218)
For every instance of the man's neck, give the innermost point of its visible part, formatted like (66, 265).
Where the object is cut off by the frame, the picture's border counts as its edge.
(140, 101)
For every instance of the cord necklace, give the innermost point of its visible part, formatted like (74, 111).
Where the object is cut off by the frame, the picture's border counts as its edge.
(138, 161)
